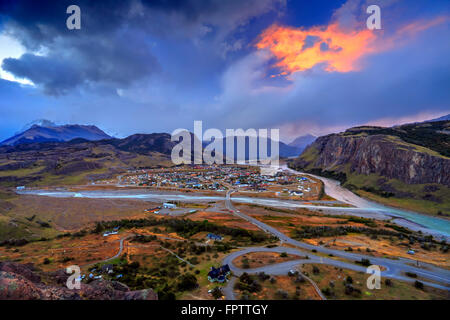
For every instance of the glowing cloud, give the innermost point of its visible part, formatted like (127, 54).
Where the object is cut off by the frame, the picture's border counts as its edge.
(302, 49)
(299, 49)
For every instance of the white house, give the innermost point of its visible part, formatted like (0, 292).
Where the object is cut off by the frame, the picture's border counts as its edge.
(167, 205)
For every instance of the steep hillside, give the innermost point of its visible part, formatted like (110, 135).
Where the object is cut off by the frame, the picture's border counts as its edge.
(79, 161)
(26, 282)
(406, 166)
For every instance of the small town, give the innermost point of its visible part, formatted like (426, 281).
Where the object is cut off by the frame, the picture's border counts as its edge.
(247, 179)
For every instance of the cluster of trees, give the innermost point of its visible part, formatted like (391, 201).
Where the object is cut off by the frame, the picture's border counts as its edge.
(365, 221)
(397, 228)
(185, 228)
(339, 176)
(248, 283)
(14, 242)
(165, 277)
(143, 238)
(308, 232)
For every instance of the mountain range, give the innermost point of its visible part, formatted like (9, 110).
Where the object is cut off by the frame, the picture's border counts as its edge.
(48, 132)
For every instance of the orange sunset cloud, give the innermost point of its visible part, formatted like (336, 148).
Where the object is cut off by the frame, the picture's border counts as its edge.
(299, 49)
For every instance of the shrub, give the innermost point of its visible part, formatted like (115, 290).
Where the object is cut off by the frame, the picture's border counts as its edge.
(327, 291)
(263, 276)
(187, 281)
(281, 294)
(364, 262)
(217, 293)
(418, 285)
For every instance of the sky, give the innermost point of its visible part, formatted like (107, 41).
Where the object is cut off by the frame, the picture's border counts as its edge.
(139, 66)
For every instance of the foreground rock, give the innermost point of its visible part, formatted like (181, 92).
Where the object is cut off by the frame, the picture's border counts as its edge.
(24, 282)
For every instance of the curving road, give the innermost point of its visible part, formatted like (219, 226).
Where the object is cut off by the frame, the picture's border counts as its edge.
(393, 268)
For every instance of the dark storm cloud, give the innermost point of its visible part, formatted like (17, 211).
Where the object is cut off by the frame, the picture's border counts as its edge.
(87, 61)
(113, 46)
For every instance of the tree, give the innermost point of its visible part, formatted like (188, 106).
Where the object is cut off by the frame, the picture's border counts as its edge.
(418, 285)
(187, 281)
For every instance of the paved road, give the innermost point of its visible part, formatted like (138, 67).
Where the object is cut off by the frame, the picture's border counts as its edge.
(394, 268)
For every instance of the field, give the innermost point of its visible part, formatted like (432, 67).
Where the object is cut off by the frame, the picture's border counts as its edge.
(376, 238)
(259, 259)
(264, 287)
(332, 281)
(385, 247)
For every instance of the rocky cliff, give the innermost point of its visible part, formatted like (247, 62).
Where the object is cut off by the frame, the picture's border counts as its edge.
(405, 162)
(386, 156)
(24, 282)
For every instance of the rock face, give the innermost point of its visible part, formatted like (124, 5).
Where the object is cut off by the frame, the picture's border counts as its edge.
(387, 156)
(23, 282)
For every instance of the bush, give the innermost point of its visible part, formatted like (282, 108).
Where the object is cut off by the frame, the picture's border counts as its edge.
(187, 282)
(316, 270)
(193, 260)
(247, 283)
(418, 285)
(281, 294)
(217, 293)
(283, 255)
(46, 261)
(411, 274)
(327, 291)
(67, 259)
(263, 276)
(364, 262)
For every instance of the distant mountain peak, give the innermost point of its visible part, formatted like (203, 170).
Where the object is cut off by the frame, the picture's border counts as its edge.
(303, 141)
(38, 123)
(47, 131)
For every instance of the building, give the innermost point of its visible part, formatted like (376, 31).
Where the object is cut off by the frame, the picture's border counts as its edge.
(212, 236)
(107, 268)
(167, 205)
(108, 233)
(219, 274)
